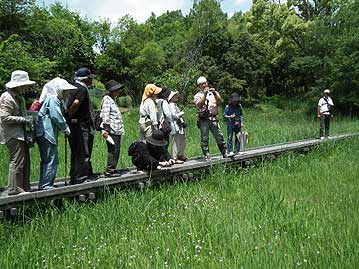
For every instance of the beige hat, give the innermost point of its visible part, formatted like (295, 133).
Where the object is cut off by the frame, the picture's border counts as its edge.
(327, 91)
(19, 78)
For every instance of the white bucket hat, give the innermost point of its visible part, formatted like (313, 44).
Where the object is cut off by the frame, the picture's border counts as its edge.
(19, 78)
(201, 80)
(171, 95)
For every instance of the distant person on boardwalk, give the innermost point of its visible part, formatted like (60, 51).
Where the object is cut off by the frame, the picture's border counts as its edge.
(80, 120)
(112, 127)
(148, 111)
(233, 115)
(178, 134)
(14, 122)
(207, 101)
(50, 122)
(164, 114)
(324, 113)
(151, 154)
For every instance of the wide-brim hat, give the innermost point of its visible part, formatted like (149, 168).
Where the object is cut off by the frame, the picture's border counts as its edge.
(157, 139)
(172, 94)
(150, 90)
(235, 97)
(113, 85)
(84, 73)
(165, 93)
(19, 78)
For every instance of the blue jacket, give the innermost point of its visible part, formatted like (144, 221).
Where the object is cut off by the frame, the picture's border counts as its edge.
(236, 110)
(50, 120)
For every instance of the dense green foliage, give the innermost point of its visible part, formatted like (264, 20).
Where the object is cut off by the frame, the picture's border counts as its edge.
(292, 49)
(296, 211)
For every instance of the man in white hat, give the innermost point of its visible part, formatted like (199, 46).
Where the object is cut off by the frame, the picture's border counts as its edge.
(13, 123)
(207, 101)
(324, 113)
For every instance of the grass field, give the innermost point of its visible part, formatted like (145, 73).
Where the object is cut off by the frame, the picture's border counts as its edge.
(297, 211)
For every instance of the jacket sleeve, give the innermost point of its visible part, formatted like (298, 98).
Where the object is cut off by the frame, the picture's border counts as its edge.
(56, 114)
(6, 113)
(174, 112)
(152, 112)
(166, 110)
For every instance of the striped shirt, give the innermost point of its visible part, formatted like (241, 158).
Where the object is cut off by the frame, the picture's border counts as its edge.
(111, 116)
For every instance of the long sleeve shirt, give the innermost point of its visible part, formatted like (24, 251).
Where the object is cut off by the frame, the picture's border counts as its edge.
(148, 112)
(111, 116)
(51, 119)
(176, 115)
(233, 109)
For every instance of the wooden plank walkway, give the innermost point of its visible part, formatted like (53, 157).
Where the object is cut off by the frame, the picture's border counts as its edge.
(130, 176)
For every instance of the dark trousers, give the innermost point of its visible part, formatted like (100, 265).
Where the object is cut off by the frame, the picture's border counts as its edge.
(324, 125)
(19, 166)
(81, 143)
(230, 130)
(208, 125)
(113, 153)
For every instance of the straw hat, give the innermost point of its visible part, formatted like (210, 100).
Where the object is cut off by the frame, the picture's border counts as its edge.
(19, 78)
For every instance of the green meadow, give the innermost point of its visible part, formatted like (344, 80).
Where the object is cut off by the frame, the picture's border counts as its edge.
(298, 211)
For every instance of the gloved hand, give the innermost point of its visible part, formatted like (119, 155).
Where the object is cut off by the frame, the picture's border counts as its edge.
(67, 131)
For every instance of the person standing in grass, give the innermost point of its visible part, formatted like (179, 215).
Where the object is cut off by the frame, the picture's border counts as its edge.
(324, 113)
(50, 121)
(207, 101)
(80, 120)
(112, 127)
(233, 115)
(13, 124)
(178, 135)
(148, 111)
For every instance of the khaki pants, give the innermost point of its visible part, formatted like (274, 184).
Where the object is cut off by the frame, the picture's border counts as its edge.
(19, 167)
(178, 145)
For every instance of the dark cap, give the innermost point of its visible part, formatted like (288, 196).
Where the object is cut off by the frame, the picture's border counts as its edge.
(113, 85)
(157, 139)
(164, 94)
(84, 72)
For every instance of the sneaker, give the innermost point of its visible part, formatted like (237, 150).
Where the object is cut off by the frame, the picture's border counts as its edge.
(16, 191)
(329, 137)
(207, 157)
(322, 137)
(178, 161)
(230, 154)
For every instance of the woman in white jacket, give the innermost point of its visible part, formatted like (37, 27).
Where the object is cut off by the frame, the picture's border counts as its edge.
(178, 134)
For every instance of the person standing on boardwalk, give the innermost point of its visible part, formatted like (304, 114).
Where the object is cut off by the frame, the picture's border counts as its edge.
(13, 124)
(178, 135)
(164, 114)
(80, 121)
(324, 113)
(112, 127)
(50, 121)
(207, 101)
(148, 111)
(233, 115)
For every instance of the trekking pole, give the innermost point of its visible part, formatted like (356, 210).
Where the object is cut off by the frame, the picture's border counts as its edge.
(65, 160)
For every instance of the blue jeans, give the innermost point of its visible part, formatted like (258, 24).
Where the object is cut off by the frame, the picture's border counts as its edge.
(230, 130)
(49, 162)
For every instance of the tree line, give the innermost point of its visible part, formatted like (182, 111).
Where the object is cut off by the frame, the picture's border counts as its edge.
(293, 49)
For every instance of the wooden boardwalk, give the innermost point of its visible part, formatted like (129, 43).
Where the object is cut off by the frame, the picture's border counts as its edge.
(130, 176)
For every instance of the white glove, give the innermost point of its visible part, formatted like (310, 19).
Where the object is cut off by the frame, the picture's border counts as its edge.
(67, 131)
(110, 140)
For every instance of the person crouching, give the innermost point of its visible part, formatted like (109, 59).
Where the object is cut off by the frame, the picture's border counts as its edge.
(50, 121)
(112, 127)
(151, 154)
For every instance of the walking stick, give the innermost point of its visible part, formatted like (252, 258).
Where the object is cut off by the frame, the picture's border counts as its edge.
(65, 160)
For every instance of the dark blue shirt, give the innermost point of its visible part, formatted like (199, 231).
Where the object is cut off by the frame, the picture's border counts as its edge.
(236, 110)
